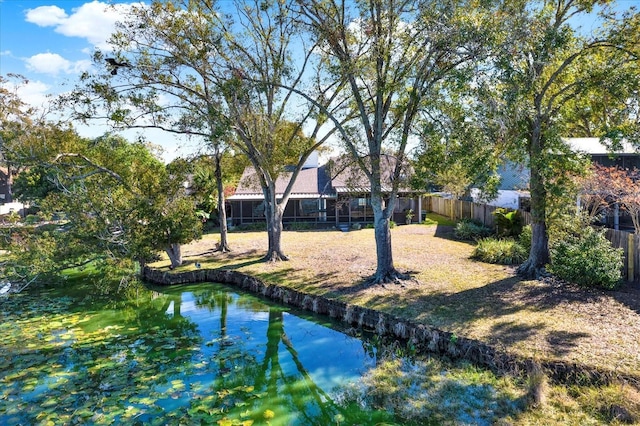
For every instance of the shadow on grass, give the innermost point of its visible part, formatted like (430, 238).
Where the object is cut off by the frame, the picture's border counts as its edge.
(319, 283)
(229, 260)
(563, 342)
(511, 331)
(446, 232)
(248, 262)
(629, 295)
(500, 299)
(298, 278)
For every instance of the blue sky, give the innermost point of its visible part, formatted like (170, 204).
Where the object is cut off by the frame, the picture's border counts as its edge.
(50, 42)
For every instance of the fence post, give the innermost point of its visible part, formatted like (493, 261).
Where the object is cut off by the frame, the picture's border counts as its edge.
(631, 259)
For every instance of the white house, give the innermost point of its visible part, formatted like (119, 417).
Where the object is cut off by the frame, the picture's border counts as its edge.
(514, 186)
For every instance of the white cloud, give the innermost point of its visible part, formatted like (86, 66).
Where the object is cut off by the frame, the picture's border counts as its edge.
(46, 16)
(33, 93)
(54, 64)
(5, 53)
(81, 66)
(49, 63)
(93, 21)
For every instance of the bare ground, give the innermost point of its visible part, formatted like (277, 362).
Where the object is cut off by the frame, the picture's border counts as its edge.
(547, 319)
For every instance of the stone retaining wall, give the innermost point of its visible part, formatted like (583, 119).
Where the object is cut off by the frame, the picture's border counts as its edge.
(424, 338)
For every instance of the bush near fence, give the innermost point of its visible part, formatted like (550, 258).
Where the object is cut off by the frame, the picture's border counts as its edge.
(483, 213)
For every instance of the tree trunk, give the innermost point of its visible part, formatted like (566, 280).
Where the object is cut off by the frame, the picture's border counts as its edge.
(273, 212)
(222, 212)
(9, 198)
(175, 255)
(533, 267)
(385, 271)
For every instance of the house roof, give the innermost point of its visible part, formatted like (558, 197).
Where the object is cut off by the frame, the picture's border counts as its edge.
(513, 176)
(516, 177)
(315, 182)
(309, 184)
(594, 146)
(349, 178)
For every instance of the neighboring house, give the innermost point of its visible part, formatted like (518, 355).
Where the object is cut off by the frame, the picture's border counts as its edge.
(333, 194)
(626, 158)
(5, 188)
(513, 192)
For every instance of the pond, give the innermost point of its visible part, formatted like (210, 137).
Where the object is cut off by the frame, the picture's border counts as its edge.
(197, 354)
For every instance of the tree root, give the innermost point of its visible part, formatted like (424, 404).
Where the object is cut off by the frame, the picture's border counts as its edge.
(530, 270)
(221, 248)
(389, 277)
(275, 256)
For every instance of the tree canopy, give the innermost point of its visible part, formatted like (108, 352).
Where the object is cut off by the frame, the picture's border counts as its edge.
(393, 57)
(189, 67)
(113, 201)
(547, 74)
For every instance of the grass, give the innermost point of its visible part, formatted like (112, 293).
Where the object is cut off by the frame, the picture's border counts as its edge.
(544, 320)
(436, 219)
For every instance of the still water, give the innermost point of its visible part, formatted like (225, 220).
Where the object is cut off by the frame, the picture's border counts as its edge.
(198, 354)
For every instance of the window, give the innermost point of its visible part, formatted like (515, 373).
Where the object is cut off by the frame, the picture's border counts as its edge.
(258, 209)
(308, 207)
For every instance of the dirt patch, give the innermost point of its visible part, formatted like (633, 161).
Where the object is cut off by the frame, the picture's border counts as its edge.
(547, 320)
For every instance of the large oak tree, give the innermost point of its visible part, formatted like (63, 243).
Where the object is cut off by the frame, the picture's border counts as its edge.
(114, 201)
(392, 56)
(548, 73)
(218, 72)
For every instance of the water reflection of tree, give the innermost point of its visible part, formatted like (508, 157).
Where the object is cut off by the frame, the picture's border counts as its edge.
(247, 387)
(250, 382)
(298, 393)
(155, 333)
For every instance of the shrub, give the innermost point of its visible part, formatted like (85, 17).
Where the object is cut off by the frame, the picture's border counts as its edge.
(508, 222)
(255, 226)
(32, 219)
(470, 230)
(501, 251)
(11, 217)
(301, 226)
(587, 259)
(524, 239)
(392, 225)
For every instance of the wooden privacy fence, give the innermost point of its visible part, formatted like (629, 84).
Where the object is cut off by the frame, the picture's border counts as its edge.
(483, 213)
(457, 210)
(630, 245)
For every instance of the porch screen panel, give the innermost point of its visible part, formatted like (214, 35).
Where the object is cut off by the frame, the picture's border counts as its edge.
(290, 212)
(309, 208)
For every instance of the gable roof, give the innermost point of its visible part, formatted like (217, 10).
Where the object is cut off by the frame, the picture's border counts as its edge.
(349, 178)
(309, 184)
(316, 182)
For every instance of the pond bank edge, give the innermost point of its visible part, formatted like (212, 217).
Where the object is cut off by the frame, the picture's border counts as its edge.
(426, 339)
